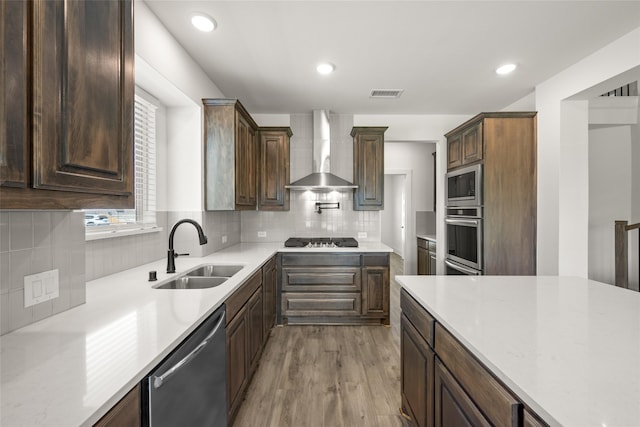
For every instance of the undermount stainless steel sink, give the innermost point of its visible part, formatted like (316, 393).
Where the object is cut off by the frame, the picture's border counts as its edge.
(215, 270)
(202, 277)
(191, 282)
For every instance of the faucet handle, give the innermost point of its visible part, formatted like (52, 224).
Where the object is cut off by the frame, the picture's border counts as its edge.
(177, 255)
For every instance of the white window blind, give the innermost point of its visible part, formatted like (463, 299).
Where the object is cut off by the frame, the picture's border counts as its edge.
(145, 161)
(144, 214)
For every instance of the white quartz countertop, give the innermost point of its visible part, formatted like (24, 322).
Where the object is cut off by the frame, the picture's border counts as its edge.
(568, 347)
(71, 368)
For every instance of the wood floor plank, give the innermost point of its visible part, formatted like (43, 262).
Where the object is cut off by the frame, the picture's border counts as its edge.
(328, 376)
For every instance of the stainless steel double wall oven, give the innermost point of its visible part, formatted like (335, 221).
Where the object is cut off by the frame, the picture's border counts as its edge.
(464, 222)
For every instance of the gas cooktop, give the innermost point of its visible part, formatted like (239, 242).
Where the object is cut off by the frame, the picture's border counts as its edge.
(321, 242)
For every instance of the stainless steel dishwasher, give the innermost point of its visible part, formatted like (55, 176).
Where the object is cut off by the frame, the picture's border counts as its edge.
(189, 387)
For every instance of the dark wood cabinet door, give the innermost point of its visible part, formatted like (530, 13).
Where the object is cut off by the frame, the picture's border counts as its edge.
(375, 291)
(125, 413)
(83, 96)
(454, 151)
(431, 264)
(472, 144)
(423, 261)
(368, 167)
(15, 138)
(246, 164)
(237, 360)
(417, 376)
(269, 289)
(453, 407)
(255, 316)
(274, 169)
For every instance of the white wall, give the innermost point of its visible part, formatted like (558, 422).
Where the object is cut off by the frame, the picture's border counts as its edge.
(634, 279)
(562, 153)
(610, 166)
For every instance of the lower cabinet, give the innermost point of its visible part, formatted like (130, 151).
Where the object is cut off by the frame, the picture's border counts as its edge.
(426, 257)
(270, 294)
(417, 375)
(335, 288)
(245, 313)
(125, 413)
(453, 407)
(443, 384)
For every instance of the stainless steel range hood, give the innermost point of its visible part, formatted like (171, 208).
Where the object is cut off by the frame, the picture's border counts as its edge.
(321, 179)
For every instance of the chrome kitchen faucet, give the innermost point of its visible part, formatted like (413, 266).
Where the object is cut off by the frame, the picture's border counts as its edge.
(172, 255)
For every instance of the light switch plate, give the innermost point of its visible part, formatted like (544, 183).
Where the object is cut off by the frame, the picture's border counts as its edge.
(262, 234)
(362, 234)
(41, 287)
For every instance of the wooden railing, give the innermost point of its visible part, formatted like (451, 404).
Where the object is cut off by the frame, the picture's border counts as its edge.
(622, 252)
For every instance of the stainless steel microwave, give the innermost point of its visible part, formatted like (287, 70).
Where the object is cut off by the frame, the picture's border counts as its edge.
(464, 186)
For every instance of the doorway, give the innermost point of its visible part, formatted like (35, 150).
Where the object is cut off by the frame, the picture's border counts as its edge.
(393, 219)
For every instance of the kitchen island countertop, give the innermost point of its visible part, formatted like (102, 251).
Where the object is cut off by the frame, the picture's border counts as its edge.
(71, 368)
(568, 347)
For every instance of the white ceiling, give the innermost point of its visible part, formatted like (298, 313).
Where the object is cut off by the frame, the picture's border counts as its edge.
(442, 53)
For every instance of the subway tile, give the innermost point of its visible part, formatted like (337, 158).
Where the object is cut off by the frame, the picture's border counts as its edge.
(5, 272)
(5, 232)
(60, 230)
(41, 260)
(42, 310)
(4, 313)
(42, 229)
(63, 302)
(21, 225)
(19, 316)
(20, 267)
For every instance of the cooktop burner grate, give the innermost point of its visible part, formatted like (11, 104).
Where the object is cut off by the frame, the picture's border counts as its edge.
(321, 242)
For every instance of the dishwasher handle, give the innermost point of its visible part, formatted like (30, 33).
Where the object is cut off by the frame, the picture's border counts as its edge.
(159, 380)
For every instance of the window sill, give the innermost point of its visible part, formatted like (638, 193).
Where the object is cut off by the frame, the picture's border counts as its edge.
(112, 233)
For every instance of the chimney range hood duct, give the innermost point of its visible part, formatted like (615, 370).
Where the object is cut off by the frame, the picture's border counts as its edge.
(321, 179)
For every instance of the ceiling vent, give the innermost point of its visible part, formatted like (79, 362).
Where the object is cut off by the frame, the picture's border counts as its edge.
(386, 93)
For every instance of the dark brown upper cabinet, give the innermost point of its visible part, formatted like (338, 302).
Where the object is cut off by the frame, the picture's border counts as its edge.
(368, 168)
(69, 72)
(274, 168)
(465, 146)
(230, 150)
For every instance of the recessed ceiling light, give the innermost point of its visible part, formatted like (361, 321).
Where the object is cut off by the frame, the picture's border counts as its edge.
(326, 68)
(203, 22)
(506, 68)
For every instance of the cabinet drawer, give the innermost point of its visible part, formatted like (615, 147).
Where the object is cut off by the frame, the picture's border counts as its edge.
(320, 304)
(431, 246)
(332, 260)
(375, 260)
(235, 302)
(321, 279)
(499, 406)
(418, 316)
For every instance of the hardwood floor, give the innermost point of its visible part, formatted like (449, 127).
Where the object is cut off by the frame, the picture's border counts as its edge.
(329, 376)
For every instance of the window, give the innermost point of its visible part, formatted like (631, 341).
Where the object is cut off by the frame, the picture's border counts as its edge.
(143, 216)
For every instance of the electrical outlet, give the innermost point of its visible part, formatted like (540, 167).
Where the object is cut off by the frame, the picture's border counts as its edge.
(224, 239)
(262, 234)
(362, 234)
(41, 287)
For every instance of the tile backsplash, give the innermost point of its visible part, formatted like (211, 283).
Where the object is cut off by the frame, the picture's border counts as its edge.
(33, 242)
(302, 220)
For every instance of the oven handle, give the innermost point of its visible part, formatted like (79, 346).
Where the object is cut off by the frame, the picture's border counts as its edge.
(158, 381)
(458, 221)
(465, 270)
